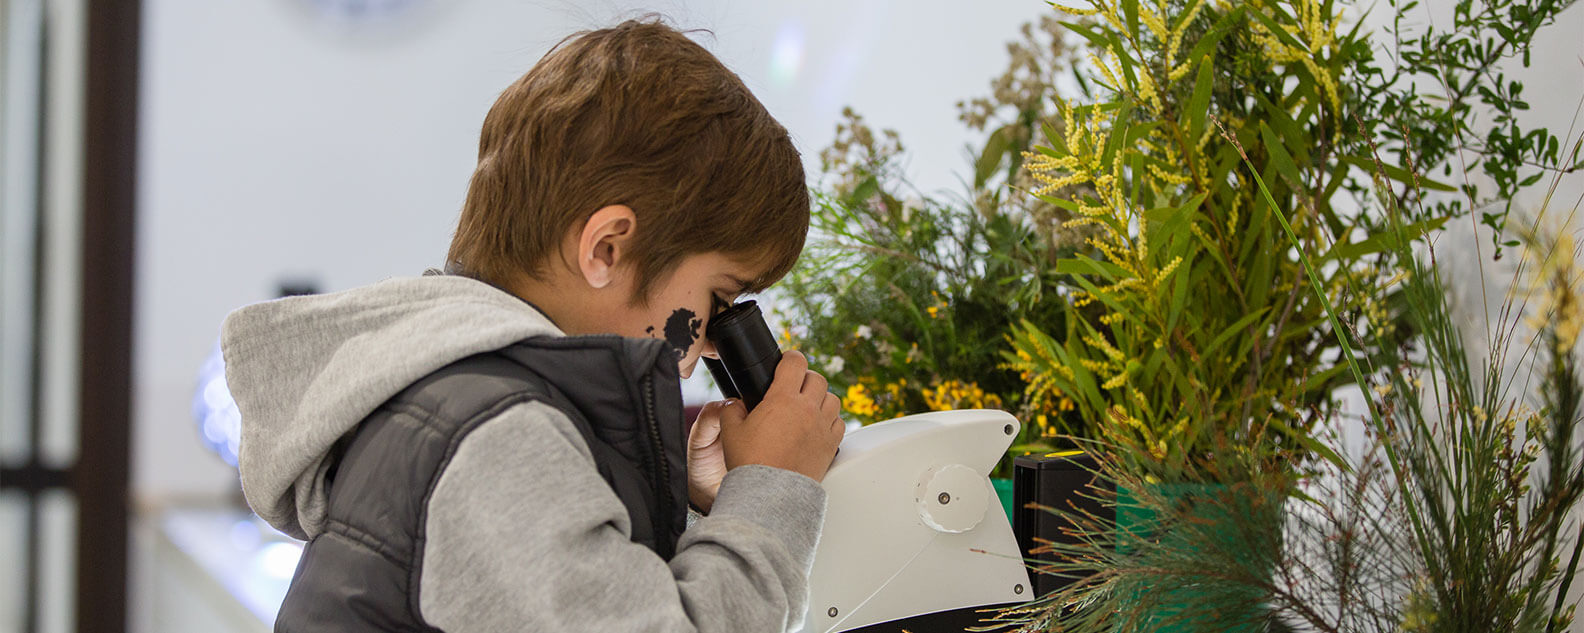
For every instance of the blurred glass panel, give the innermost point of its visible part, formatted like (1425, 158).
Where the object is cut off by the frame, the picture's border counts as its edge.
(57, 590)
(65, 66)
(13, 525)
(20, 68)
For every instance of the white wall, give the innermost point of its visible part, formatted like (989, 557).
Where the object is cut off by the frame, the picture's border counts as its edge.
(274, 145)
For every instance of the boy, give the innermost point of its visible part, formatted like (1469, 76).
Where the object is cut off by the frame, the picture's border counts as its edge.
(501, 448)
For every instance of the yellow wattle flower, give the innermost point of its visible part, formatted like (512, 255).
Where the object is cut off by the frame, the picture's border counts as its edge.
(1116, 381)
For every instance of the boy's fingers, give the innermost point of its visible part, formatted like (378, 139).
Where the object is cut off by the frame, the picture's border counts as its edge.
(830, 408)
(814, 384)
(788, 378)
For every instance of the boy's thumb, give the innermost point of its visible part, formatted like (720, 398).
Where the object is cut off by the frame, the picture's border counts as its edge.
(733, 413)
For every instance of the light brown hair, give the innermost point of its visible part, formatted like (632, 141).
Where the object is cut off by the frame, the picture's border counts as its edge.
(642, 116)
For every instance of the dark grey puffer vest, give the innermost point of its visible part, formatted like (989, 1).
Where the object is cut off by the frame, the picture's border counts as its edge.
(362, 572)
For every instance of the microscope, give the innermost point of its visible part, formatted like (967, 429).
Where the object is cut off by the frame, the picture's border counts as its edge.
(914, 537)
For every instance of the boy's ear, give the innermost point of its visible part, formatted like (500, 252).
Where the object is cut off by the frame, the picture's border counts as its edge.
(606, 236)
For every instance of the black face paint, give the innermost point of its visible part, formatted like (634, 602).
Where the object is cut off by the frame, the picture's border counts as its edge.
(682, 330)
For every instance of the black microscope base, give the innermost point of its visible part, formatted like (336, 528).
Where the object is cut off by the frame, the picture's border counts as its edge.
(953, 621)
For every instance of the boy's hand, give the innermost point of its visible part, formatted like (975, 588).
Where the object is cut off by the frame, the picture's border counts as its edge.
(794, 428)
(706, 463)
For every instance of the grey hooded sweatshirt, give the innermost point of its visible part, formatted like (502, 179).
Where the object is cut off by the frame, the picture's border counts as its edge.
(521, 531)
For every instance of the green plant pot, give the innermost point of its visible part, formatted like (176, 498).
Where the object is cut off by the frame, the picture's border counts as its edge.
(1003, 488)
(1229, 526)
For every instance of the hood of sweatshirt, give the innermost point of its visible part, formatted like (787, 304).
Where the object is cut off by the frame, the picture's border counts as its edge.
(305, 371)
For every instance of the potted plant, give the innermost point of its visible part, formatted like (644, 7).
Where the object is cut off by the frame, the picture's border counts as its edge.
(1258, 182)
(903, 297)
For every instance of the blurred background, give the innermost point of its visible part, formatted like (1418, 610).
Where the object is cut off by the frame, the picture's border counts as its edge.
(163, 162)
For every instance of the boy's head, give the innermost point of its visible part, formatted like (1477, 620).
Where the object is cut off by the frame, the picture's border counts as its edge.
(623, 155)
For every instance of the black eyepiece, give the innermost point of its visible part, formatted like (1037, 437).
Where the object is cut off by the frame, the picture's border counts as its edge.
(748, 352)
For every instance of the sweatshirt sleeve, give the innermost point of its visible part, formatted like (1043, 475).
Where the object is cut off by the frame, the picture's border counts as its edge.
(524, 535)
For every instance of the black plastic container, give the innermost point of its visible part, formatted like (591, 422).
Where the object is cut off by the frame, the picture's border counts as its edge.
(1062, 481)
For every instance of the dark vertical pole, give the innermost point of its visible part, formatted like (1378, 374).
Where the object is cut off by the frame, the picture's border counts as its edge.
(109, 183)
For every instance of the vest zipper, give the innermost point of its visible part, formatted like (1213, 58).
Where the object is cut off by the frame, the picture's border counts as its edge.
(661, 470)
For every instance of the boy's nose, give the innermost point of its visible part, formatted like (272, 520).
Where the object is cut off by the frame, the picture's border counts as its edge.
(709, 350)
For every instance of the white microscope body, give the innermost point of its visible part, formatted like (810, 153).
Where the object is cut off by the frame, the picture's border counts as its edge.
(912, 524)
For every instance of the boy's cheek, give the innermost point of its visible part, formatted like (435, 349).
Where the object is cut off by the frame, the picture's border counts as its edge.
(683, 329)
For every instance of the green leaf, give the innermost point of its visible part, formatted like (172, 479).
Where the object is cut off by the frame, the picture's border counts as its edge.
(1125, 61)
(1190, 207)
(1258, 228)
(1313, 445)
(1179, 299)
(1067, 205)
(1396, 173)
(1231, 330)
(1225, 159)
(1279, 158)
(1105, 298)
(1210, 247)
(1136, 165)
(1050, 135)
(865, 190)
(1087, 32)
(1261, 269)
(1167, 225)
(1277, 30)
(1139, 132)
(1179, 382)
(1295, 137)
(990, 158)
(1323, 379)
(1210, 39)
(1083, 379)
(1199, 103)
(1382, 242)
(1119, 134)
(1085, 265)
(1158, 215)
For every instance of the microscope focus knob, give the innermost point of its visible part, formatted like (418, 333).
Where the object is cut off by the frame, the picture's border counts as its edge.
(952, 498)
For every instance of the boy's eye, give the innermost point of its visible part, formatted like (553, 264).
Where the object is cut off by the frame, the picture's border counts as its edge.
(718, 304)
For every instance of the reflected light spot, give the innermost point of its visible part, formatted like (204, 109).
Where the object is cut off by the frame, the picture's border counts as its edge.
(215, 393)
(786, 57)
(213, 429)
(279, 560)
